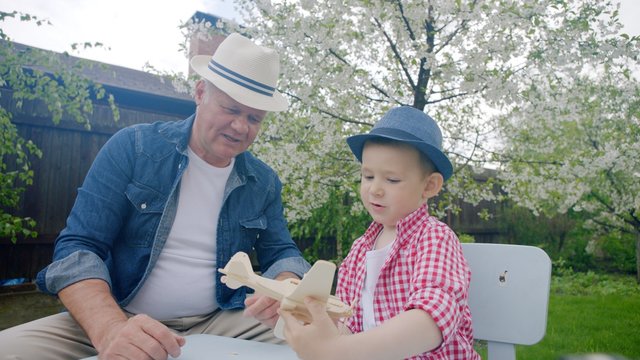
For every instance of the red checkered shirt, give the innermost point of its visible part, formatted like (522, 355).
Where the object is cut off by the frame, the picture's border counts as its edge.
(425, 269)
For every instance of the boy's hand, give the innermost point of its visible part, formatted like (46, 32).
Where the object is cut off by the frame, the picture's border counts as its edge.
(317, 340)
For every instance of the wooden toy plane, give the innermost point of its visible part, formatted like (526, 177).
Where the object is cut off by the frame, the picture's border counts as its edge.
(316, 283)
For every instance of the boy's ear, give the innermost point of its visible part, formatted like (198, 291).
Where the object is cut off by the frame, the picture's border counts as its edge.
(433, 185)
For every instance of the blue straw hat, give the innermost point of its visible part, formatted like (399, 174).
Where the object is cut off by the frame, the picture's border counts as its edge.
(413, 127)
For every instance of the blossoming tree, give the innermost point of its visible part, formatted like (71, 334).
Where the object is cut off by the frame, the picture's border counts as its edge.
(482, 69)
(576, 145)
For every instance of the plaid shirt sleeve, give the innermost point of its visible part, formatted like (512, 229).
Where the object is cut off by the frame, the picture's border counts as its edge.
(439, 279)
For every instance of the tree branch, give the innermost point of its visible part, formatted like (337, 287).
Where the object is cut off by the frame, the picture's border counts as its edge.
(397, 54)
(447, 41)
(344, 61)
(330, 114)
(412, 35)
(446, 98)
(611, 227)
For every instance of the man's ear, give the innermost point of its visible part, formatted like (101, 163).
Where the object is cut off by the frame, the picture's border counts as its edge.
(433, 185)
(200, 92)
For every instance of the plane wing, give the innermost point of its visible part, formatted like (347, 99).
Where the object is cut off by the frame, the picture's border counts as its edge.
(317, 283)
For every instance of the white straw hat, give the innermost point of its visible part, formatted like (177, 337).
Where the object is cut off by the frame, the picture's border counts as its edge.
(245, 71)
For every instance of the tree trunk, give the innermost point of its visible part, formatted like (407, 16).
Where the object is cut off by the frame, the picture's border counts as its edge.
(638, 257)
(340, 231)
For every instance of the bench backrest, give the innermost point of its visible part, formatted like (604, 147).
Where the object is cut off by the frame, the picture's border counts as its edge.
(508, 296)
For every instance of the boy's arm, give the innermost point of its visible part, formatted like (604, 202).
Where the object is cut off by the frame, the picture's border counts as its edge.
(409, 333)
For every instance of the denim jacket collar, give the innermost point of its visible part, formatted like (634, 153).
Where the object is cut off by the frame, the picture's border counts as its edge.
(180, 134)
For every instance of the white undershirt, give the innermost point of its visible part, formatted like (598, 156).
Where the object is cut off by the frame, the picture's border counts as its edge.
(375, 259)
(182, 280)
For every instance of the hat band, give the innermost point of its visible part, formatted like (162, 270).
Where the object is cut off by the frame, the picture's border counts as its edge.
(243, 81)
(398, 135)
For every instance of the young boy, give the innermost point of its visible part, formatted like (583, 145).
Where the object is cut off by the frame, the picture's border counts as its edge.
(406, 277)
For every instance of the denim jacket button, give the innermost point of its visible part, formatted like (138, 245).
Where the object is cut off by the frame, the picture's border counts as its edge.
(143, 206)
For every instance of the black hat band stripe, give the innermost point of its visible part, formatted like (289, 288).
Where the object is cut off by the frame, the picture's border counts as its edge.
(243, 81)
(398, 134)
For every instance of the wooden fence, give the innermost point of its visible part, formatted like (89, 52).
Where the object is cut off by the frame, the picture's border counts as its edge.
(68, 150)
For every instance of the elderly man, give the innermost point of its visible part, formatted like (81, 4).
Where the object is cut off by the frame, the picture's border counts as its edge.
(162, 207)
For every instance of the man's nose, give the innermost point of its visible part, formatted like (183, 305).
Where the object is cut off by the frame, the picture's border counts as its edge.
(240, 124)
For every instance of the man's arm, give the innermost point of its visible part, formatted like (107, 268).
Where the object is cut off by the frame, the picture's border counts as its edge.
(110, 330)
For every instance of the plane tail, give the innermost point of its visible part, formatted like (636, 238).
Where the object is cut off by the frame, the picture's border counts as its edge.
(315, 283)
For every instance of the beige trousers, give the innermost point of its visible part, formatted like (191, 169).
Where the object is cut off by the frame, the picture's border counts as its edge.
(59, 337)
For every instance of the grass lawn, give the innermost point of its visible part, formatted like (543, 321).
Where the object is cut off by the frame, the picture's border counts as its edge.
(593, 323)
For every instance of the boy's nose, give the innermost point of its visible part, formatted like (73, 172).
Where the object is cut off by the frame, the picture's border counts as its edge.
(376, 189)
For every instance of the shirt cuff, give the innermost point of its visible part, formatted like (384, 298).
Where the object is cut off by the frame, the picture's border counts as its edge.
(296, 265)
(441, 307)
(80, 265)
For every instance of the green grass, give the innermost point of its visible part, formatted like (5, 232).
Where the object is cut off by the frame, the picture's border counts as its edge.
(586, 316)
(589, 324)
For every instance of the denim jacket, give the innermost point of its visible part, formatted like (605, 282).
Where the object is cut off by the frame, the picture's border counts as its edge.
(125, 207)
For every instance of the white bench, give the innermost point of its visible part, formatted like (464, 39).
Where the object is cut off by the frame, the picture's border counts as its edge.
(509, 295)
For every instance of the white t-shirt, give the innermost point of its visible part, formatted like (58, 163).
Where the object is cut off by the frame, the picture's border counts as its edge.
(190, 249)
(375, 260)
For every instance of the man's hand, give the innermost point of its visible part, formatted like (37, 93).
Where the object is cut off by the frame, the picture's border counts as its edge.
(113, 334)
(264, 308)
(140, 337)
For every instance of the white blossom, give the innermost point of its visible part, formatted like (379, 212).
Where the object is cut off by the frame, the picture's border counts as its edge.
(541, 93)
